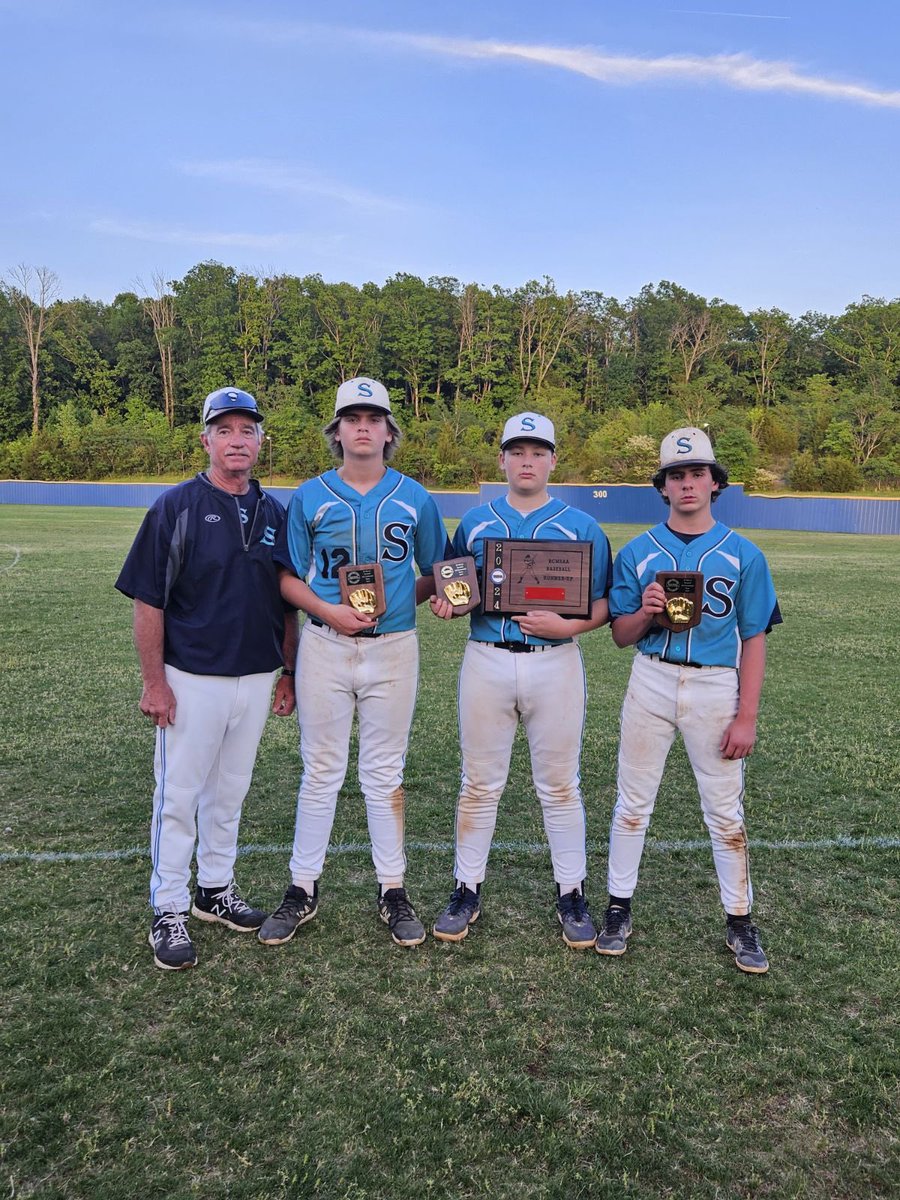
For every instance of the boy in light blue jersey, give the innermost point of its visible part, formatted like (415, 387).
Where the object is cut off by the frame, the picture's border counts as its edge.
(529, 669)
(704, 681)
(350, 662)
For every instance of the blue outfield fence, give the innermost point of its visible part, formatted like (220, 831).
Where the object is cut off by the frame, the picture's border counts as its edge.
(612, 504)
(640, 505)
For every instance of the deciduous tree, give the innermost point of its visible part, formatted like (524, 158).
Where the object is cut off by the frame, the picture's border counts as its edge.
(32, 292)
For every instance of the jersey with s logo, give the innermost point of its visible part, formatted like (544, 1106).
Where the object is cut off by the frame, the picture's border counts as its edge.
(739, 598)
(553, 521)
(397, 524)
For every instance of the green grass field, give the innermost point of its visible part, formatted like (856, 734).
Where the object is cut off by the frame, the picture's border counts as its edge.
(341, 1066)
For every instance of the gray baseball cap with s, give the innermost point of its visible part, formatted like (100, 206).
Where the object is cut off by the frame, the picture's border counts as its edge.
(530, 427)
(686, 447)
(362, 392)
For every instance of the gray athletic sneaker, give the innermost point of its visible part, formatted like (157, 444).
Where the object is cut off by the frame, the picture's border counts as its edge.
(228, 907)
(173, 950)
(616, 928)
(398, 914)
(577, 927)
(742, 938)
(295, 910)
(463, 910)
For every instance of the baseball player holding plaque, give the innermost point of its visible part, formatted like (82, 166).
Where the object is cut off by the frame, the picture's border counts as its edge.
(348, 551)
(526, 668)
(697, 600)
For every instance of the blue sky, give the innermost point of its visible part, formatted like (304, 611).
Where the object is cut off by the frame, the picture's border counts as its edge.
(745, 149)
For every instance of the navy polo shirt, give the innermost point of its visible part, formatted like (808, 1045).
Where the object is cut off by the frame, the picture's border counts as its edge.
(204, 557)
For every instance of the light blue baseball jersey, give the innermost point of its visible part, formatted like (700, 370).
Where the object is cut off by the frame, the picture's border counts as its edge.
(552, 522)
(738, 594)
(330, 525)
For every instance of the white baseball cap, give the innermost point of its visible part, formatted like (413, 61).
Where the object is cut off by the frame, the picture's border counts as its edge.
(362, 393)
(528, 426)
(686, 448)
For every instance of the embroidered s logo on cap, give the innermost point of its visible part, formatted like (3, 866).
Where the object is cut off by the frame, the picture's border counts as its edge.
(362, 392)
(229, 399)
(528, 426)
(686, 448)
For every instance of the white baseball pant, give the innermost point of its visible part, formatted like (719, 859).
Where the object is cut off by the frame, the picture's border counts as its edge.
(699, 703)
(203, 766)
(338, 676)
(546, 691)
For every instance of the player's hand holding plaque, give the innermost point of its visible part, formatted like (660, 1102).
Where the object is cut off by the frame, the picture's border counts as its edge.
(362, 587)
(521, 576)
(456, 580)
(684, 599)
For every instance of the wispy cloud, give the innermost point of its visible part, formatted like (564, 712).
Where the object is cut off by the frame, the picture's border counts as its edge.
(173, 235)
(742, 72)
(272, 175)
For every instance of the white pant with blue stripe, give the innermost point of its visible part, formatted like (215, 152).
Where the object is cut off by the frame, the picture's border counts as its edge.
(203, 766)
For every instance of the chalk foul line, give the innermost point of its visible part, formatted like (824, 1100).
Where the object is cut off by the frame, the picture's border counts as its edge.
(653, 846)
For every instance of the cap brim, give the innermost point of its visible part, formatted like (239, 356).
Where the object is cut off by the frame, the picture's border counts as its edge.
(694, 462)
(223, 412)
(540, 441)
(351, 404)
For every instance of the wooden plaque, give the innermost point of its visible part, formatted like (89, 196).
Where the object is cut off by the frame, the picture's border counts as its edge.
(362, 587)
(521, 576)
(456, 580)
(684, 599)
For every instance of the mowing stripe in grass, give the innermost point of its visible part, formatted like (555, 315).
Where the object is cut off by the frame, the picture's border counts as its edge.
(654, 847)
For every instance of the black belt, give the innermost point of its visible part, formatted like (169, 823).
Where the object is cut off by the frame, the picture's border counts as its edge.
(672, 663)
(519, 647)
(363, 633)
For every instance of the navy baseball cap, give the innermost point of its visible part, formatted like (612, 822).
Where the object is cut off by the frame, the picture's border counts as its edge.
(227, 400)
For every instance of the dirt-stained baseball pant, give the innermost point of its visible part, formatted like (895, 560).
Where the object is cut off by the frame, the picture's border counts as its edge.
(203, 765)
(546, 691)
(338, 676)
(699, 702)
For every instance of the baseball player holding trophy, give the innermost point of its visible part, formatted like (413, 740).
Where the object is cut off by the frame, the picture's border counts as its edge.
(697, 600)
(538, 557)
(347, 552)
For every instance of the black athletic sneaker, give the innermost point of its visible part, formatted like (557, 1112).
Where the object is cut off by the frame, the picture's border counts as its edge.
(295, 910)
(226, 906)
(463, 910)
(742, 938)
(173, 950)
(575, 918)
(616, 928)
(398, 914)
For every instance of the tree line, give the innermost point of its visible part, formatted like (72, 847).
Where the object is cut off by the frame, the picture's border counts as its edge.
(94, 390)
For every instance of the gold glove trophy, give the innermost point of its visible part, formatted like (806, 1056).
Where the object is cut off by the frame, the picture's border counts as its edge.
(362, 587)
(456, 580)
(684, 600)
